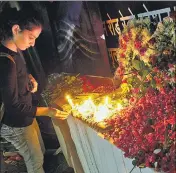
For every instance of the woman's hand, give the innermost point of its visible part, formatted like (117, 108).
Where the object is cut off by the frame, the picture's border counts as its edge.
(34, 84)
(55, 113)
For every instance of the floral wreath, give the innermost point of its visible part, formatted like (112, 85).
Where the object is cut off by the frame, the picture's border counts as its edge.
(134, 43)
(147, 58)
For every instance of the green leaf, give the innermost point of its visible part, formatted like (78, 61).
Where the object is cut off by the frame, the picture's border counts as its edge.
(134, 162)
(169, 126)
(150, 121)
(129, 80)
(145, 73)
(141, 153)
(136, 64)
(142, 64)
(153, 83)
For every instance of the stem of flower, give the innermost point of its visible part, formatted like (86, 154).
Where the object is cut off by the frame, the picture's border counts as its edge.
(132, 169)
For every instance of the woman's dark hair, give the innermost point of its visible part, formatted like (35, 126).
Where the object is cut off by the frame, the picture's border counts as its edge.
(25, 18)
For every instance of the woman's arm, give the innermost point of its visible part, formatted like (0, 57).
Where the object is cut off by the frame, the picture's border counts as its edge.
(51, 112)
(11, 98)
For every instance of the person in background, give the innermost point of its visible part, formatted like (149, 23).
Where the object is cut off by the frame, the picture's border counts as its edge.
(18, 31)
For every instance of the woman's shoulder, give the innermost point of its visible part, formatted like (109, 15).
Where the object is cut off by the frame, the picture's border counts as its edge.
(6, 65)
(6, 57)
(5, 51)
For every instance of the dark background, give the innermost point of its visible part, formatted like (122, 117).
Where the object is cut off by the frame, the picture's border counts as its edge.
(112, 8)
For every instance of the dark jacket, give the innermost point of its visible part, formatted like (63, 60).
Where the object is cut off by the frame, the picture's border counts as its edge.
(19, 111)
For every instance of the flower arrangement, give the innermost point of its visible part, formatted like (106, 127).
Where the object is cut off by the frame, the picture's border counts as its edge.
(89, 86)
(146, 129)
(134, 44)
(61, 84)
(147, 59)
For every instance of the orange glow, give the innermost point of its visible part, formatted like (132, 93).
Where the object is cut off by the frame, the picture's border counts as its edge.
(70, 101)
(97, 112)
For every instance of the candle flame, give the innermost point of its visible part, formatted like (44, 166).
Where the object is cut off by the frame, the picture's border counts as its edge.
(70, 101)
(106, 100)
(99, 112)
(119, 107)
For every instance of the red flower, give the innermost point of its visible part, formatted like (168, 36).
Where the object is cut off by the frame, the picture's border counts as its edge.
(134, 133)
(125, 38)
(137, 44)
(162, 90)
(135, 90)
(142, 51)
(152, 158)
(155, 69)
(124, 81)
(122, 55)
(158, 80)
(170, 65)
(124, 46)
(148, 129)
(132, 100)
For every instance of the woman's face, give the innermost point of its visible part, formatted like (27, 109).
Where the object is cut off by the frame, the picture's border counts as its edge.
(26, 38)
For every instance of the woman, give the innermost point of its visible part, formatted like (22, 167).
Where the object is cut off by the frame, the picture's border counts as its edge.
(18, 31)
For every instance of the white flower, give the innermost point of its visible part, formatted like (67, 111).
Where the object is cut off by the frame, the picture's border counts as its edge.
(157, 151)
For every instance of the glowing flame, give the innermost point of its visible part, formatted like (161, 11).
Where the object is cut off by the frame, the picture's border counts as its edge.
(99, 112)
(70, 101)
(119, 107)
(106, 100)
(86, 108)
